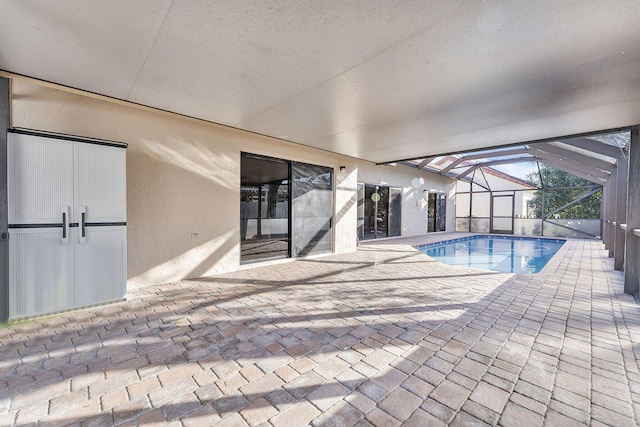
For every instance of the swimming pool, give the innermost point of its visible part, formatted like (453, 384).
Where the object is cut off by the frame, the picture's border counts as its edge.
(497, 253)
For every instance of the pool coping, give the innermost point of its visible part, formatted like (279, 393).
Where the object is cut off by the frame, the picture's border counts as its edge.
(492, 236)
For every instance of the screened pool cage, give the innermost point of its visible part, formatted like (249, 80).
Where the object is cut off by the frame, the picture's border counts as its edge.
(567, 211)
(549, 188)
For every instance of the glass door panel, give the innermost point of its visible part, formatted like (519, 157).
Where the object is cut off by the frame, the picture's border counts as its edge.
(382, 213)
(369, 220)
(264, 208)
(379, 211)
(431, 212)
(441, 212)
(312, 208)
(395, 215)
(361, 211)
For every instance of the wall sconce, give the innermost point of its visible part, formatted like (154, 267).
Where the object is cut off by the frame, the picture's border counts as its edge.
(342, 168)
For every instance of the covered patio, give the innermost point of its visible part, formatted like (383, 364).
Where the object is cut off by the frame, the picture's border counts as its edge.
(270, 130)
(382, 336)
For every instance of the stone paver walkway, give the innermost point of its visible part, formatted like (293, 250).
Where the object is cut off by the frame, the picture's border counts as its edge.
(384, 336)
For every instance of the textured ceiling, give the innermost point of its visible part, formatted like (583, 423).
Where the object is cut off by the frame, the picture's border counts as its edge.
(378, 80)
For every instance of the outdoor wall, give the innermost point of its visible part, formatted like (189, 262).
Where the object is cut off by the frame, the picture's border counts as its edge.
(414, 202)
(183, 179)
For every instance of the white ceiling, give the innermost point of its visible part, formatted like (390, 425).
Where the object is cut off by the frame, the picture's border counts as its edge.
(380, 80)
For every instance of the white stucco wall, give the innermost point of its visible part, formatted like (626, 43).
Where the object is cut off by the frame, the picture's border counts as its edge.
(414, 203)
(183, 180)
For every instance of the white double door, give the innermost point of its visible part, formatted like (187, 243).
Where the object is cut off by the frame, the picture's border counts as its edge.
(67, 224)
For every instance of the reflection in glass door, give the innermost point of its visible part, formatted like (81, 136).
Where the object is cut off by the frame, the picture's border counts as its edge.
(382, 212)
(395, 210)
(312, 207)
(264, 209)
(441, 212)
(370, 212)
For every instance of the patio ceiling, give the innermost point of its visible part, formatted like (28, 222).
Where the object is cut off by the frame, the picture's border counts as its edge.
(375, 80)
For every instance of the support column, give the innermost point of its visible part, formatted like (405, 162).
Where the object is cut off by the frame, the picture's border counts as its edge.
(542, 216)
(632, 252)
(5, 109)
(604, 213)
(609, 208)
(620, 216)
(470, 204)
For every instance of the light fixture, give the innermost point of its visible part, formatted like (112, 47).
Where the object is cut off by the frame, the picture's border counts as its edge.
(417, 182)
(342, 168)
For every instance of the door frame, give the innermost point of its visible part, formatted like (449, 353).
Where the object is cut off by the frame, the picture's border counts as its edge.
(439, 211)
(492, 216)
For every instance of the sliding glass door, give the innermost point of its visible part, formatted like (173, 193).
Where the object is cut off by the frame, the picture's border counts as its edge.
(437, 212)
(286, 208)
(379, 211)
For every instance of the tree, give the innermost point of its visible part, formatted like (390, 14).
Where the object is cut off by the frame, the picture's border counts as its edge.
(556, 195)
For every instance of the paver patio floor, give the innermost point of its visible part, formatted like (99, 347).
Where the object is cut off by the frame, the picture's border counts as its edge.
(384, 336)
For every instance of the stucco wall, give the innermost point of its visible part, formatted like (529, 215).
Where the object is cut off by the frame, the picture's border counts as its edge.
(183, 180)
(414, 202)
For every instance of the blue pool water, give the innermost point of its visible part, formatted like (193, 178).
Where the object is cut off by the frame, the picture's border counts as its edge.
(497, 253)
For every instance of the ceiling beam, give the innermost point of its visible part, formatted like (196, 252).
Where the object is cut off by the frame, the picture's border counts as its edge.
(594, 175)
(595, 146)
(568, 164)
(495, 163)
(576, 157)
(452, 165)
(559, 138)
(496, 153)
(579, 174)
(425, 162)
(485, 155)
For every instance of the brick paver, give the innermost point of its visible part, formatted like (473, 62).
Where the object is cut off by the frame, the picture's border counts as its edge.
(383, 336)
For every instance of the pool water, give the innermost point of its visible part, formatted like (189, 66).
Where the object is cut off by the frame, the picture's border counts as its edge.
(497, 253)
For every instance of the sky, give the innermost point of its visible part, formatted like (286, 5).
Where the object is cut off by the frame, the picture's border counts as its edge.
(518, 170)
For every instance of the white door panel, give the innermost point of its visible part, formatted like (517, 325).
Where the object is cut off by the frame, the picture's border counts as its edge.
(100, 270)
(100, 182)
(40, 272)
(40, 179)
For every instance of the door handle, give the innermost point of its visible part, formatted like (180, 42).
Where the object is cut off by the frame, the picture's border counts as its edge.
(83, 225)
(65, 225)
